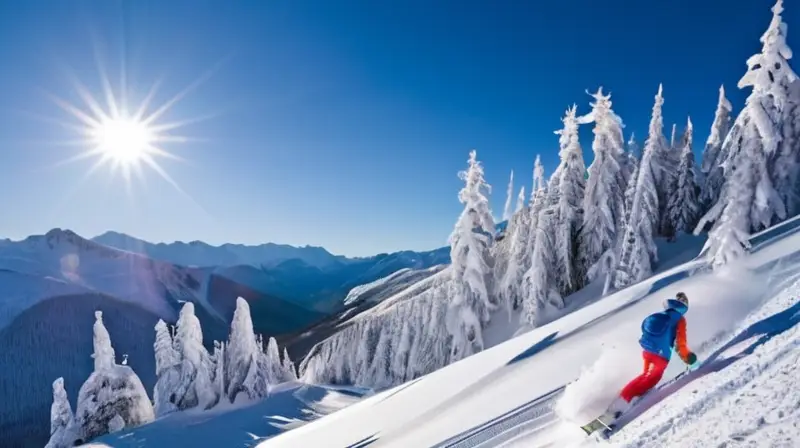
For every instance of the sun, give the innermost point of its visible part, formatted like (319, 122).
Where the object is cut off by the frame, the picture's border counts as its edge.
(126, 141)
(124, 135)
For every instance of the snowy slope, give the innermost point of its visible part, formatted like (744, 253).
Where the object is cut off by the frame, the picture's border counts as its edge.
(290, 404)
(512, 389)
(388, 286)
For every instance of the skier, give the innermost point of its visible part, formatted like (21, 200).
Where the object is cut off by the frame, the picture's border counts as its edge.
(660, 333)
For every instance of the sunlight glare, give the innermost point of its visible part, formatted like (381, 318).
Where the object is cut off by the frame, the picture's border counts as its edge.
(126, 141)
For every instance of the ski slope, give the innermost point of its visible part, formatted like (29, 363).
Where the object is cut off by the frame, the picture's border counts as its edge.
(514, 394)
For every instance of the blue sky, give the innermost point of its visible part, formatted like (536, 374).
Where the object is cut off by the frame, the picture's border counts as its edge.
(341, 124)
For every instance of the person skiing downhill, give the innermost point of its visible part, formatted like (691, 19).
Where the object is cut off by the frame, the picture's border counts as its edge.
(660, 333)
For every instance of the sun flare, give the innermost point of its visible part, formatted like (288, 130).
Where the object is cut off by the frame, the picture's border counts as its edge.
(125, 141)
(121, 134)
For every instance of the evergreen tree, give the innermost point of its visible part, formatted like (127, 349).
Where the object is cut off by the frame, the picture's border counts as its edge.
(61, 419)
(758, 168)
(540, 283)
(511, 281)
(103, 352)
(289, 371)
(113, 396)
(243, 372)
(603, 201)
(539, 200)
(219, 370)
(509, 193)
(569, 211)
(683, 208)
(167, 371)
(520, 200)
(637, 251)
(470, 243)
(713, 155)
(194, 386)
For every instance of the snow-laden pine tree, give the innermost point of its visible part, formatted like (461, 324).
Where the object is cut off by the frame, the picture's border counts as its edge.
(770, 71)
(713, 155)
(540, 283)
(471, 266)
(101, 342)
(219, 370)
(637, 250)
(61, 420)
(569, 205)
(683, 209)
(289, 371)
(520, 200)
(540, 197)
(507, 213)
(273, 358)
(761, 161)
(195, 387)
(113, 395)
(631, 157)
(243, 352)
(672, 143)
(603, 204)
(518, 258)
(167, 371)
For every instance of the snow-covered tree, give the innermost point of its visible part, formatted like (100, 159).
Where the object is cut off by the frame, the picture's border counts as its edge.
(539, 200)
(509, 195)
(637, 250)
(520, 200)
(273, 358)
(112, 396)
(603, 205)
(219, 370)
(713, 155)
(103, 352)
(683, 208)
(568, 208)
(672, 142)
(471, 265)
(518, 258)
(540, 281)
(289, 371)
(167, 371)
(242, 370)
(762, 162)
(195, 387)
(61, 420)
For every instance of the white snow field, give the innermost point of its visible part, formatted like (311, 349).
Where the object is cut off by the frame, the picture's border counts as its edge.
(239, 424)
(741, 322)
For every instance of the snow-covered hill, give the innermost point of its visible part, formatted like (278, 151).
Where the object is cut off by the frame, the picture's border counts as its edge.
(742, 320)
(378, 290)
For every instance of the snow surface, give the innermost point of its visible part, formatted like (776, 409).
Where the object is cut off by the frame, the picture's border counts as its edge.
(512, 390)
(237, 425)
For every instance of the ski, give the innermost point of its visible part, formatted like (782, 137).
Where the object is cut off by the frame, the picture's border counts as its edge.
(605, 430)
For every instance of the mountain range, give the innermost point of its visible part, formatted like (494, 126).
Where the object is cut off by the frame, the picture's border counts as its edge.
(51, 284)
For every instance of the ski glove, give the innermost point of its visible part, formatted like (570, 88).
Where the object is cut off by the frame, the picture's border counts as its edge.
(691, 358)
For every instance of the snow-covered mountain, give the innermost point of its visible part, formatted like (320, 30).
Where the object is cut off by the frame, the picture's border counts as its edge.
(523, 392)
(198, 253)
(63, 263)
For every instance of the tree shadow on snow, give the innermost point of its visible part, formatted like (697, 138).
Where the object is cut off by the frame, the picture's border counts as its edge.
(764, 330)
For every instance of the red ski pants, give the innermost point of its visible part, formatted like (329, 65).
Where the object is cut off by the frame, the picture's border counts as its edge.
(654, 367)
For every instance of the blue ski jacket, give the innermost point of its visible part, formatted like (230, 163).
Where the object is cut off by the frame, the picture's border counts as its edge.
(663, 331)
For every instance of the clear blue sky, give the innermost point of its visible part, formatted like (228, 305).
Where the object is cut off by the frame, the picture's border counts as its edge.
(343, 123)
